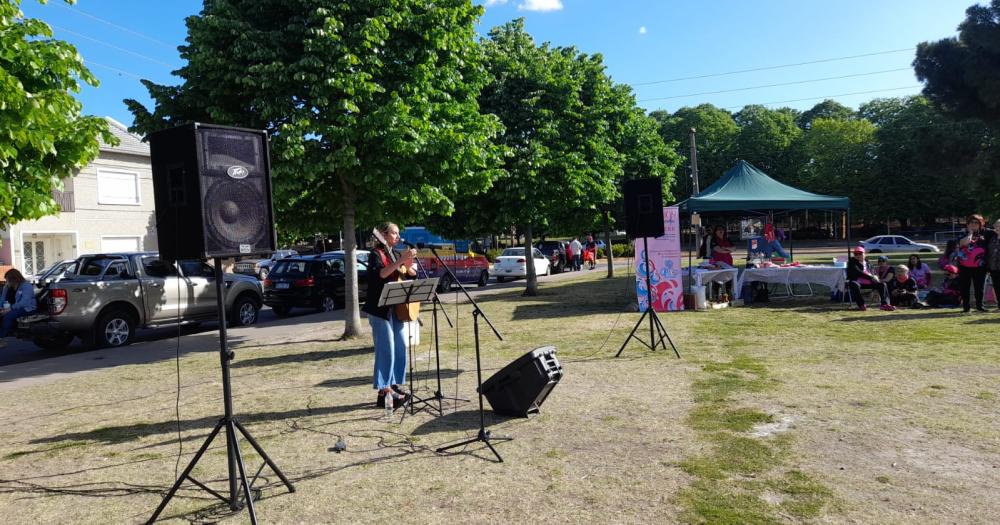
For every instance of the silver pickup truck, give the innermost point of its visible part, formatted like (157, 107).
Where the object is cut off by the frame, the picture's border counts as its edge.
(111, 295)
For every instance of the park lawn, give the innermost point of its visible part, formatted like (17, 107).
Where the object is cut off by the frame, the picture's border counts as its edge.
(799, 411)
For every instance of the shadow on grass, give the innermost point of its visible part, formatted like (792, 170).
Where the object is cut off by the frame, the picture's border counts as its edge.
(126, 433)
(418, 377)
(306, 357)
(895, 316)
(461, 421)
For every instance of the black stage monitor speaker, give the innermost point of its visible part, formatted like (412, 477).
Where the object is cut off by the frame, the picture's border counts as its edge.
(522, 386)
(643, 208)
(212, 186)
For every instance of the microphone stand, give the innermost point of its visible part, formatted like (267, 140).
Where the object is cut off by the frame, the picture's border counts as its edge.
(477, 313)
(435, 302)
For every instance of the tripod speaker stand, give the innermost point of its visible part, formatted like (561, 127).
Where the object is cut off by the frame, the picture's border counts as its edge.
(232, 426)
(657, 332)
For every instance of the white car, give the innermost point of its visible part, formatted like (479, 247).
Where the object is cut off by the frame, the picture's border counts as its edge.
(896, 243)
(511, 263)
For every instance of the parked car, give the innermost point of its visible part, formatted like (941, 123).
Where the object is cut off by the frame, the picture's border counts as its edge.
(360, 255)
(896, 243)
(556, 252)
(468, 267)
(310, 281)
(512, 263)
(111, 295)
(261, 267)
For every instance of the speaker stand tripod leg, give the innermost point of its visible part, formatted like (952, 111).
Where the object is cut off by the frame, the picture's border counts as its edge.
(632, 334)
(187, 471)
(266, 458)
(247, 493)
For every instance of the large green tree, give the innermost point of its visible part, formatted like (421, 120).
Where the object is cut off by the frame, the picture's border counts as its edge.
(715, 136)
(828, 109)
(553, 103)
(372, 106)
(961, 76)
(766, 139)
(44, 137)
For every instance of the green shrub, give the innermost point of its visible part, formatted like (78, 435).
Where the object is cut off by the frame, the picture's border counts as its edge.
(492, 254)
(622, 250)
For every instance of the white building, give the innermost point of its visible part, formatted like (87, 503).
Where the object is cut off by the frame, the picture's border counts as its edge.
(106, 207)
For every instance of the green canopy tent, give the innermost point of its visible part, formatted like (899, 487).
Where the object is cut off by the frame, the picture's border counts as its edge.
(744, 188)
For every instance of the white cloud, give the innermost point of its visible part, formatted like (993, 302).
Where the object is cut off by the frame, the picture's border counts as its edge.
(541, 5)
(642, 30)
(491, 3)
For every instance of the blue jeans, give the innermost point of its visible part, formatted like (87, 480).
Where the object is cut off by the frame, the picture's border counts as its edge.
(390, 351)
(9, 319)
(577, 261)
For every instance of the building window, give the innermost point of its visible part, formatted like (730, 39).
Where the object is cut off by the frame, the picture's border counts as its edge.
(117, 187)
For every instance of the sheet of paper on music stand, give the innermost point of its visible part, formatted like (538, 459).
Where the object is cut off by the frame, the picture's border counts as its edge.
(413, 291)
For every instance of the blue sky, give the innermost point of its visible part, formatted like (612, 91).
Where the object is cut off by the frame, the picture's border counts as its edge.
(653, 45)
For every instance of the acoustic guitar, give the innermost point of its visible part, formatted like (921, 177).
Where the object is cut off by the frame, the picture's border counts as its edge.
(404, 311)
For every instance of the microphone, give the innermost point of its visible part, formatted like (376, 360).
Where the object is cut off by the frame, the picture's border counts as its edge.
(408, 244)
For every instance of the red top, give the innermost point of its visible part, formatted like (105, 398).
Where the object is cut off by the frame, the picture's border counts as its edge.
(722, 256)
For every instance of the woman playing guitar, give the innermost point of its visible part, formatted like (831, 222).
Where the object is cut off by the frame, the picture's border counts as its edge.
(387, 327)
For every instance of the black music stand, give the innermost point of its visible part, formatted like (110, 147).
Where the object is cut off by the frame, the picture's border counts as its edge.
(477, 312)
(232, 425)
(402, 292)
(435, 304)
(655, 339)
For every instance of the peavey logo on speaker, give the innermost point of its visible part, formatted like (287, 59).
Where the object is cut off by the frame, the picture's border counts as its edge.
(246, 248)
(238, 172)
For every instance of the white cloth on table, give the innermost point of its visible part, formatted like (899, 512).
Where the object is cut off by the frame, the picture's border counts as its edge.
(700, 277)
(829, 276)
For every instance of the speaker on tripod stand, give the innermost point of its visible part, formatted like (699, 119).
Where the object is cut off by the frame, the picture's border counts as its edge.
(644, 218)
(212, 187)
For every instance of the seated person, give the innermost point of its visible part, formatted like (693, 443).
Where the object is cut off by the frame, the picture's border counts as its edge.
(772, 243)
(903, 291)
(884, 270)
(859, 276)
(949, 254)
(920, 272)
(19, 296)
(719, 248)
(949, 293)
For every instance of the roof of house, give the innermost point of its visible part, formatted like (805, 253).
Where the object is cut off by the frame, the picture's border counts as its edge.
(127, 142)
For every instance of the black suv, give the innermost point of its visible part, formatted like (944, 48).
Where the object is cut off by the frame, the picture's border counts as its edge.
(556, 252)
(310, 281)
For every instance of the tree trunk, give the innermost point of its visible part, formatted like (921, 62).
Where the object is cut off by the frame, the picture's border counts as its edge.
(607, 244)
(529, 263)
(352, 311)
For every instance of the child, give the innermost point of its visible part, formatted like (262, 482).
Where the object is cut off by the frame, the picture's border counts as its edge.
(884, 271)
(920, 272)
(904, 288)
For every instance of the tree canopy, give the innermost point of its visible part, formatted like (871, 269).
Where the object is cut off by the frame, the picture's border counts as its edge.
(45, 138)
(371, 105)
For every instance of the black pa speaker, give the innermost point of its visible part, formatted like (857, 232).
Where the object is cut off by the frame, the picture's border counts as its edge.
(522, 386)
(643, 208)
(212, 187)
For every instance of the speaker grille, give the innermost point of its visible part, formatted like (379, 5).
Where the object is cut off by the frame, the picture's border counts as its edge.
(234, 214)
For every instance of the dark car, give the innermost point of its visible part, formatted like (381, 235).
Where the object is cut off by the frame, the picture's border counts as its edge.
(315, 281)
(556, 252)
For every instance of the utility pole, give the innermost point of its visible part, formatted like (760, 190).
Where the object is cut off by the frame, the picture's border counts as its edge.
(694, 165)
(695, 187)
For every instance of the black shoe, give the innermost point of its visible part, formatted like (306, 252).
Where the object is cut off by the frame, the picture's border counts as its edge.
(980, 309)
(398, 389)
(380, 402)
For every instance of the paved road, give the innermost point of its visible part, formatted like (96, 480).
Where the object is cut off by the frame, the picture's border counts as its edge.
(21, 363)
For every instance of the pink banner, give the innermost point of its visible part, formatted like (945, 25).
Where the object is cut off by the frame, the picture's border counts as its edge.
(664, 266)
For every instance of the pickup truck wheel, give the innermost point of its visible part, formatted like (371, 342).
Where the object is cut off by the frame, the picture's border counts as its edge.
(53, 343)
(281, 310)
(114, 328)
(244, 312)
(484, 278)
